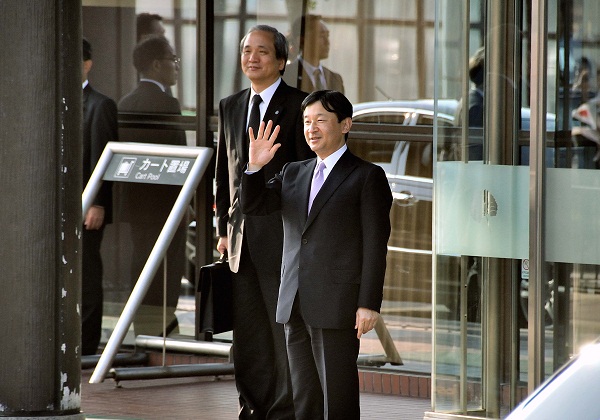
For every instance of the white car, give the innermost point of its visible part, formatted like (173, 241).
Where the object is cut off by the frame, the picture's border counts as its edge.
(571, 393)
(406, 154)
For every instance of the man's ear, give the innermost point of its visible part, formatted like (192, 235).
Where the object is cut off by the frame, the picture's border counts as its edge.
(347, 123)
(156, 65)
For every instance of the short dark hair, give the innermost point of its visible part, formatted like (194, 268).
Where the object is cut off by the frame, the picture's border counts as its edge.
(279, 41)
(332, 101)
(87, 50)
(143, 24)
(155, 47)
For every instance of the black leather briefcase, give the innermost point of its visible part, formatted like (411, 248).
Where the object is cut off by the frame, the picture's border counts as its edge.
(214, 303)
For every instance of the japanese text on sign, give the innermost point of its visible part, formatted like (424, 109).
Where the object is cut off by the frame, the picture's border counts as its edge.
(149, 169)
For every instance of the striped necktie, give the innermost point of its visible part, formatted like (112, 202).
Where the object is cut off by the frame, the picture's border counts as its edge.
(318, 82)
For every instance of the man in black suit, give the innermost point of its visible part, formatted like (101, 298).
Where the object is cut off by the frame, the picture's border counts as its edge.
(254, 244)
(334, 253)
(309, 38)
(148, 24)
(476, 102)
(146, 206)
(99, 127)
(475, 110)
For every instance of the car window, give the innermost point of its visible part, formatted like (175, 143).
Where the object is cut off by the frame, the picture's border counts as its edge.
(381, 118)
(376, 151)
(428, 120)
(412, 158)
(409, 273)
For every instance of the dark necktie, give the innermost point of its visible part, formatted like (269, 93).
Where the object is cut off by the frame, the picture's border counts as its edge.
(318, 83)
(254, 120)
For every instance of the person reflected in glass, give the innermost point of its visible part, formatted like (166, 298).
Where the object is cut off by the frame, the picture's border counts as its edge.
(148, 24)
(584, 86)
(475, 152)
(99, 127)
(475, 110)
(254, 244)
(145, 207)
(309, 43)
(476, 100)
(583, 104)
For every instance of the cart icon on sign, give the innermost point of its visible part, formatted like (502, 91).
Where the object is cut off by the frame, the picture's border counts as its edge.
(125, 167)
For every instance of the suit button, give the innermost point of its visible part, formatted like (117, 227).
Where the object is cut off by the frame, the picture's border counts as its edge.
(304, 241)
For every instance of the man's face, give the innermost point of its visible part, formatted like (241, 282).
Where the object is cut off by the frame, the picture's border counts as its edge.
(322, 131)
(167, 68)
(86, 66)
(316, 41)
(258, 59)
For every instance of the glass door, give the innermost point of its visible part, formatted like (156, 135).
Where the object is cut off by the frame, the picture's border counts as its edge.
(514, 199)
(570, 255)
(481, 209)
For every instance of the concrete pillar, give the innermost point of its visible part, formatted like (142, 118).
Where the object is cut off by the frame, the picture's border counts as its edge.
(40, 209)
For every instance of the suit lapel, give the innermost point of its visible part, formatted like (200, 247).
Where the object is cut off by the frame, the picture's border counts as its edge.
(307, 84)
(305, 181)
(344, 166)
(328, 78)
(240, 111)
(86, 96)
(276, 108)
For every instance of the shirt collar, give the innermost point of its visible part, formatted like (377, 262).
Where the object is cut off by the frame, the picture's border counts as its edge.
(266, 94)
(160, 85)
(84, 84)
(310, 69)
(332, 159)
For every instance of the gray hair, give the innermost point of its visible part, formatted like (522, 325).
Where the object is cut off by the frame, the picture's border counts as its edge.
(279, 41)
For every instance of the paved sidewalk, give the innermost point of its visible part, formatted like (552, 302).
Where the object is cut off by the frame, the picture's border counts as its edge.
(206, 398)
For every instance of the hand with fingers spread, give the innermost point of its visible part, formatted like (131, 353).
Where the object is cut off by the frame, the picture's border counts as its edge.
(263, 146)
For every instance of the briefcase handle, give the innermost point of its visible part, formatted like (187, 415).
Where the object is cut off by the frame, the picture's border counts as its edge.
(223, 257)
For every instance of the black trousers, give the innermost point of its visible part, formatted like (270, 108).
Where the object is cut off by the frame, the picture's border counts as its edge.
(323, 370)
(259, 352)
(91, 291)
(148, 319)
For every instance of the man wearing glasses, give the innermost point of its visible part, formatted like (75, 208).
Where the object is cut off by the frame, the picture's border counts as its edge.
(145, 206)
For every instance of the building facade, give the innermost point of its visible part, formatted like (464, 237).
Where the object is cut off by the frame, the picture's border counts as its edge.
(481, 113)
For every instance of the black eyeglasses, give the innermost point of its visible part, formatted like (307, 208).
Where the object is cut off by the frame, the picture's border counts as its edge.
(174, 59)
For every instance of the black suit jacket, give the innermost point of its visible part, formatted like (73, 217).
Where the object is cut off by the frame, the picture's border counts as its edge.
(99, 127)
(263, 235)
(476, 104)
(296, 75)
(334, 257)
(144, 203)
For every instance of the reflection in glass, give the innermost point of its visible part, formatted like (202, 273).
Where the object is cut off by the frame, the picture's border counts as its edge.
(115, 71)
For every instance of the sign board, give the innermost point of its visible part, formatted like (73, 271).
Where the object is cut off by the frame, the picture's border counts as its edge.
(147, 163)
(169, 170)
(154, 164)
